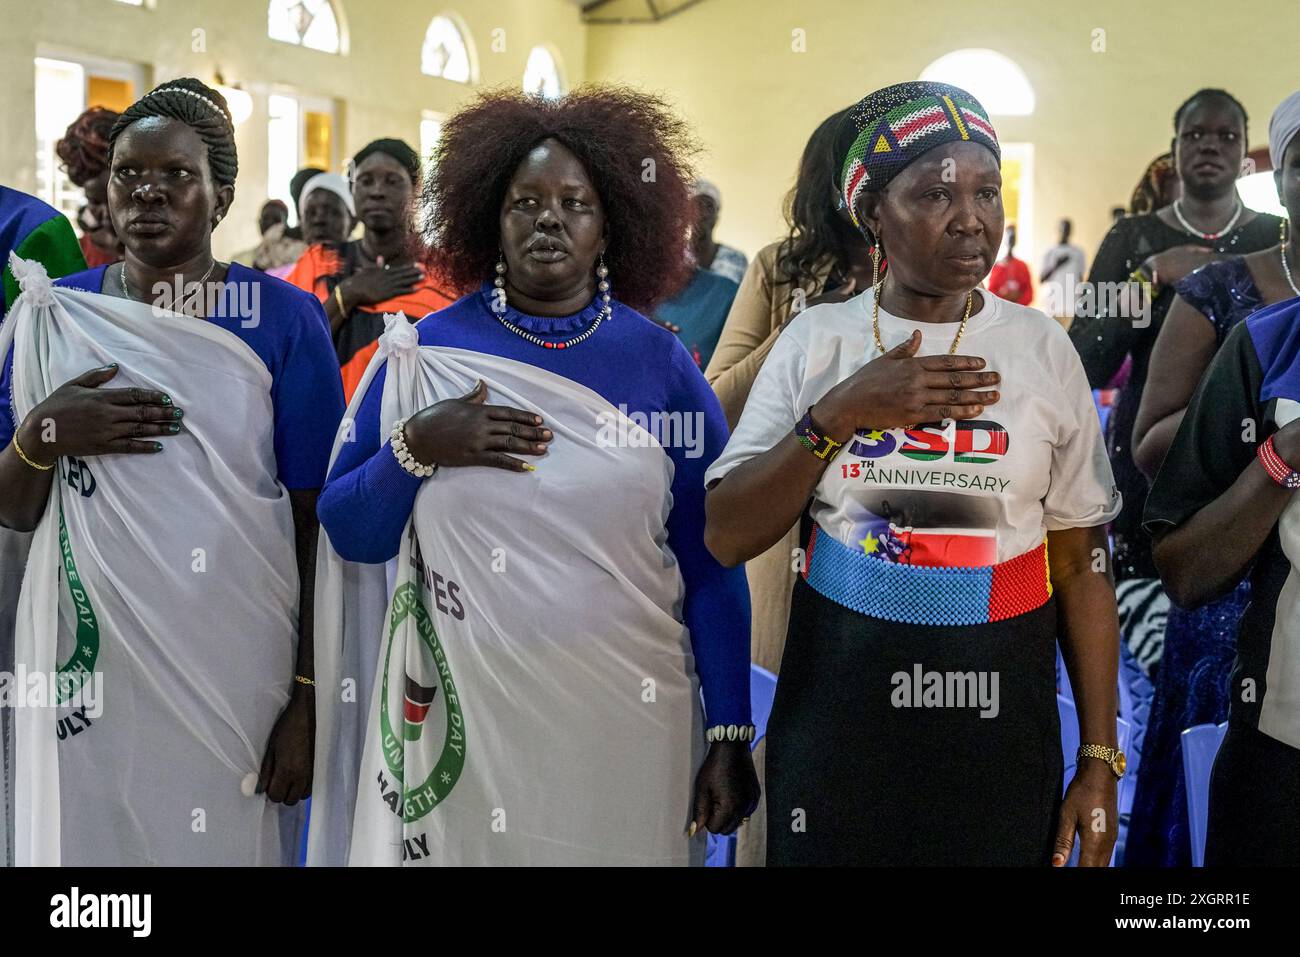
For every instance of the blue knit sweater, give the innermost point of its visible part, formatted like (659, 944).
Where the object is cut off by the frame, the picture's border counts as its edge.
(630, 362)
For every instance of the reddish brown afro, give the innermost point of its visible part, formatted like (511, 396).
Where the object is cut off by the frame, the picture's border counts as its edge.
(615, 132)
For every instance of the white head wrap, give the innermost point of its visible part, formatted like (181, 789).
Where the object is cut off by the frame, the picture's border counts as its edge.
(1283, 126)
(329, 181)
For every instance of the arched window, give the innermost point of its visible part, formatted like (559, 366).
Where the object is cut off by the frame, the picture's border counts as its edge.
(542, 74)
(306, 23)
(997, 82)
(445, 52)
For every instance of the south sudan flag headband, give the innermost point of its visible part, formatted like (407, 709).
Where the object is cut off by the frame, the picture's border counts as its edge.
(899, 123)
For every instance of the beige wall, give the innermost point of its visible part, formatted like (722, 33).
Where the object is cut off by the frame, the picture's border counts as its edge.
(377, 82)
(1100, 117)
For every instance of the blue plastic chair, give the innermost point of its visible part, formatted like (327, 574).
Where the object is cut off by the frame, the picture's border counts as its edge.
(1132, 711)
(1200, 746)
(306, 824)
(762, 689)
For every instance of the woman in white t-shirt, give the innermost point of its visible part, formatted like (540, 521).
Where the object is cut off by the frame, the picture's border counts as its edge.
(955, 531)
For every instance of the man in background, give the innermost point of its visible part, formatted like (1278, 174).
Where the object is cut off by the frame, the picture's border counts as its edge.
(709, 253)
(1064, 266)
(1010, 278)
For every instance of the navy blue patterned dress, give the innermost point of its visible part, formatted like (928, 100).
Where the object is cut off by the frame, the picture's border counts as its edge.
(1192, 684)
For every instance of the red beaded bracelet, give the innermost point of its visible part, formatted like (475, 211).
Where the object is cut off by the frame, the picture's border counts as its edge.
(1277, 469)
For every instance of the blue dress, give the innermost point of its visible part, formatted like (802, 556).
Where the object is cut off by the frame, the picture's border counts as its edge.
(1192, 684)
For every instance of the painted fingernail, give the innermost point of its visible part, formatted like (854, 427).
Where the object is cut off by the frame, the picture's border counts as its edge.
(175, 427)
(177, 414)
(167, 400)
(157, 447)
(530, 468)
(690, 831)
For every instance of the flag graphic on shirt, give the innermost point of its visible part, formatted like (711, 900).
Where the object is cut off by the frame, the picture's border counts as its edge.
(933, 547)
(416, 707)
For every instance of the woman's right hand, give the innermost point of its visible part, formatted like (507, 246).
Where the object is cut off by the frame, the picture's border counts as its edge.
(80, 419)
(375, 284)
(464, 431)
(1173, 264)
(898, 389)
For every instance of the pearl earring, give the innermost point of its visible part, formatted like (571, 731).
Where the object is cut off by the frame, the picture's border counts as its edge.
(602, 272)
(499, 295)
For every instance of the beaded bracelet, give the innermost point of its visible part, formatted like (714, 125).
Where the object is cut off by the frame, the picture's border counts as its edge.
(730, 732)
(1278, 470)
(404, 457)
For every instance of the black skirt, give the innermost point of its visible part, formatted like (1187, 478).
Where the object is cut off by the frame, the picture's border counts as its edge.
(878, 753)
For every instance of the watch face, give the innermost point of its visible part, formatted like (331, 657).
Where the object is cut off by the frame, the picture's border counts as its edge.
(1119, 763)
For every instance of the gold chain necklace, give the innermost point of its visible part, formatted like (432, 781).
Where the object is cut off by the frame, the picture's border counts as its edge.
(875, 320)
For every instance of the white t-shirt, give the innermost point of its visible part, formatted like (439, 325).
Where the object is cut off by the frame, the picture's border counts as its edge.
(969, 493)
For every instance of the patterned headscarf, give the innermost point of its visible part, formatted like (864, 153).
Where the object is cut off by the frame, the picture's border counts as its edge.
(1149, 194)
(899, 123)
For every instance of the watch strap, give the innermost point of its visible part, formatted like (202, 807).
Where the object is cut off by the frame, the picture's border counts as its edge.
(1111, 756)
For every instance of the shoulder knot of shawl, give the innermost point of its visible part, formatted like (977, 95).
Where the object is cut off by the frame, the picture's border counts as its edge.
(399, 335)
(33, 280)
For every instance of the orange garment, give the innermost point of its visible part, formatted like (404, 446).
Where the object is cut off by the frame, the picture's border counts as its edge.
(321, 268)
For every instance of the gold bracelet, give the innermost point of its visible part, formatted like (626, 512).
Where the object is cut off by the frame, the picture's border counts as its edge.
(310, 682)
(23, 455)
(338, 297)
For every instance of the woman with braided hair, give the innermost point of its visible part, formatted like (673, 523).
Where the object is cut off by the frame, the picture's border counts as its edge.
(167, 423)
(84, 154)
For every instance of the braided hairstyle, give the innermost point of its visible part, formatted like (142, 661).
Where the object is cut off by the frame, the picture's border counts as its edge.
(199, 107)
(83, 150)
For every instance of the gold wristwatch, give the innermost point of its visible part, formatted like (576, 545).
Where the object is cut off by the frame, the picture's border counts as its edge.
(1112, 756)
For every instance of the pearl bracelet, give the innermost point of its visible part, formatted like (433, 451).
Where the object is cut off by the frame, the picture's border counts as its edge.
(730, 732)
(404, 457)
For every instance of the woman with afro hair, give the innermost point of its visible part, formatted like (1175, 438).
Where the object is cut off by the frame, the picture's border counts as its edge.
(534, 454)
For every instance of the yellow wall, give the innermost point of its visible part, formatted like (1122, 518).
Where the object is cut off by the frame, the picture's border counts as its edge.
(727, 64)
(377, 81)
(1100, 117)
